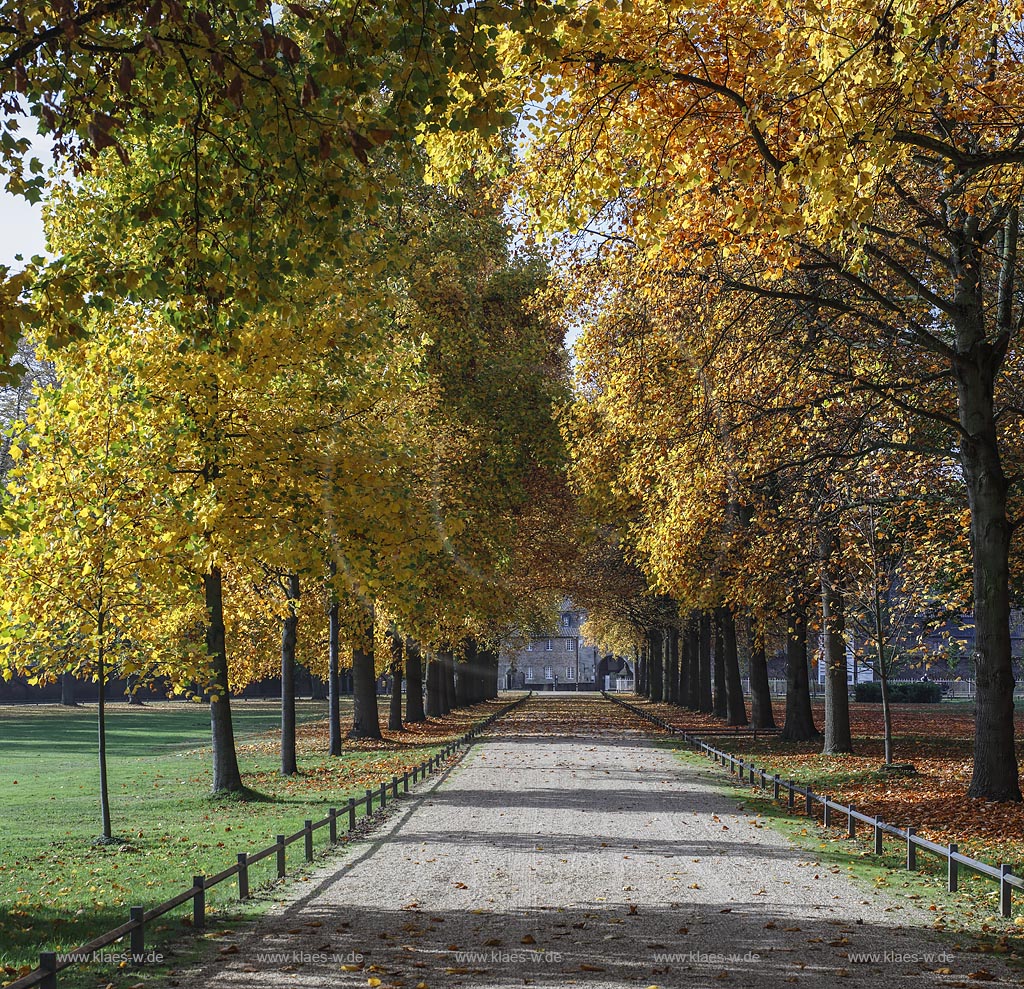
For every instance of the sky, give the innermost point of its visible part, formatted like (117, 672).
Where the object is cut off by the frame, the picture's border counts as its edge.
(21, 223)
(21, 229)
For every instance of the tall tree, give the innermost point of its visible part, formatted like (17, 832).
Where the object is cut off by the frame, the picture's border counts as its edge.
(91, 574)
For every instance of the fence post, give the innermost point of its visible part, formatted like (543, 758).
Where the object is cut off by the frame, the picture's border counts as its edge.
(243, 876)
(369, 802)
(415, 770)
(775, 786)
(405, 781)
(825, 818)
(808, 802)
(954, 869)
(351, 813)
(199, 903)
(282, 866)
(394, 787)
(332, 816)
(911, 850)
(752, 774)
(383, 794)
(792, 794)
(1005, 891)
(138, 935)
(308, 828)
(48, 965)
(851, 823)
(878, 837)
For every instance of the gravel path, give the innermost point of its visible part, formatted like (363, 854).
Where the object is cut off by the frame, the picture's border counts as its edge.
(568, 850)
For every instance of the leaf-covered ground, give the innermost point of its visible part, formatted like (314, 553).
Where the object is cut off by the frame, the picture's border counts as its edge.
(936, 739)
(58, 889)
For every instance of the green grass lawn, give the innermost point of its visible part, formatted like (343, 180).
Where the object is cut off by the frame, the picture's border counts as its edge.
(58, 889)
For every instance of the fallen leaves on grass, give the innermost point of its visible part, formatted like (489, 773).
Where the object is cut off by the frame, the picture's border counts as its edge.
(935, 739)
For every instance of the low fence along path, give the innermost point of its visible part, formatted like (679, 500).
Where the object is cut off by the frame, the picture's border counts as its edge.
(568, 849)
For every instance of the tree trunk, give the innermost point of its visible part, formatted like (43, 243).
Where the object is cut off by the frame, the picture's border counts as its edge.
(333, 678)
(365, 716)
(693, 648)
(761, 714)
(101, 734)
(721, 706)
(433, 687)
(414, 713)
(886, 718)
(996, 774)
(671, 689)
(463, 675)
(799, 726)
(453, 667)
(226, 777)
(446, 686)
(838, 737)
(683, 647)
(641, 671)
(67, 690)
(705, 701)
(476, 675)
(289, 634)
(655, 667)
(395, 711)
(489, 673)
(736, 710)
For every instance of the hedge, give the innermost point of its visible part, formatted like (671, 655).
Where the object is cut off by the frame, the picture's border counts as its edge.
(919, 692)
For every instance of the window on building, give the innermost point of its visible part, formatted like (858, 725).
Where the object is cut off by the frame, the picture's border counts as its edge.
(570, 673)
(548, 646)
(529, 672)
(570, 645)
(566, 620)
(529, 647)
(549, 673)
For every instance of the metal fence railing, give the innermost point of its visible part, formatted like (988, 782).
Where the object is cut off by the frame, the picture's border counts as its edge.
(51, 962)
(747, 771)
(951, 689)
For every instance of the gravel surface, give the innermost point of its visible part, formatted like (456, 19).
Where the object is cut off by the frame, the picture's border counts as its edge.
(566, 849)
